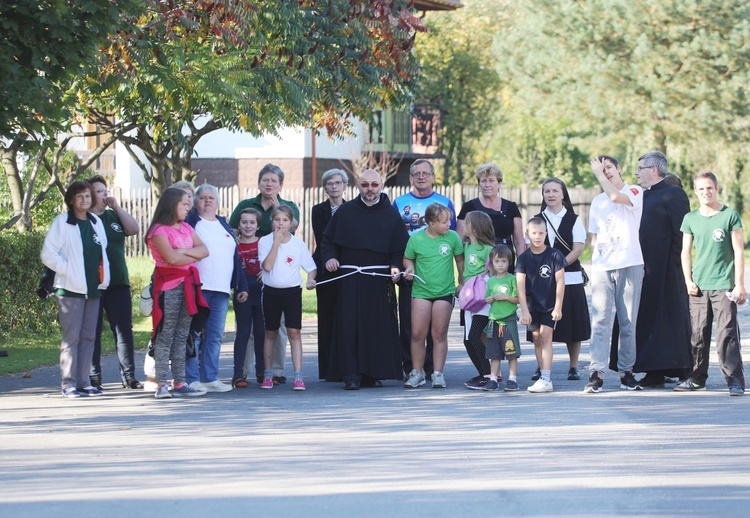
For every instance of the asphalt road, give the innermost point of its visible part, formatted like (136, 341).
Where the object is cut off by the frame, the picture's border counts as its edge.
(376, 452)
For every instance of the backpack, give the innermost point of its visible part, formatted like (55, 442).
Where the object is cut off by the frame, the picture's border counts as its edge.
(473, 293)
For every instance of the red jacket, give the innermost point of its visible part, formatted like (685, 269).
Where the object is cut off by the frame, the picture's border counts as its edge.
(193, 293)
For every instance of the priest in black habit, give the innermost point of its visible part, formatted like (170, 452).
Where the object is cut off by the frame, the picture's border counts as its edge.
(663, 328)
(366, 231)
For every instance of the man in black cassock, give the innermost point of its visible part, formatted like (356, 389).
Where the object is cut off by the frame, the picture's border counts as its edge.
(365, 232)
(663, 328)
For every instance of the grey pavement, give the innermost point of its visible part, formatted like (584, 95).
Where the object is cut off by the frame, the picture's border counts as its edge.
(376, 452)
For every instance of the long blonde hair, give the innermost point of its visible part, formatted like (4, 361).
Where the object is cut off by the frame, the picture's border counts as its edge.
(481, 226)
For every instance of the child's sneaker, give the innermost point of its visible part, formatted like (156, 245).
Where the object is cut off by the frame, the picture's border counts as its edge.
(162, 392)
(541, 386)
(267, 383)
(416, 379)
(476, 383)
(511, 386)
(491, 386)
(438, 380)
(189, 391)
(298, 384)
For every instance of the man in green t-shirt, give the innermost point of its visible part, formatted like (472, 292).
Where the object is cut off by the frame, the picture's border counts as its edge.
(116, 299)
(716, 274)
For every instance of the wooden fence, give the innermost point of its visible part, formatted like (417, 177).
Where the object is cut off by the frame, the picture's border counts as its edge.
(140, 204)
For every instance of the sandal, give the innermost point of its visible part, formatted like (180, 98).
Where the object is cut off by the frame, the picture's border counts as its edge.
(239, 382)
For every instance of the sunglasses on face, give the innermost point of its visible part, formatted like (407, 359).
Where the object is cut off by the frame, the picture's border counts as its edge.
(366, 185)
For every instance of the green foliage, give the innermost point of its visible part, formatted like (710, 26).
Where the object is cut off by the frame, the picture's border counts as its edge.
(460, 76)
(249, 66)
(22, 311)
(676, 69)
(45, 44)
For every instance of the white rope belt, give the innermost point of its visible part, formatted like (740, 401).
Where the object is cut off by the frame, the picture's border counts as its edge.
(361, 269)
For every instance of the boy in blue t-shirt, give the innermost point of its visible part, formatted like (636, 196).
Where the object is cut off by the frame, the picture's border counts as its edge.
(540, 274)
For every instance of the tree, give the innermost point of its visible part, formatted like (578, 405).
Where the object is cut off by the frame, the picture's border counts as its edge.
(459, 74)
(44, 46)
(248, 66)
(670, 71)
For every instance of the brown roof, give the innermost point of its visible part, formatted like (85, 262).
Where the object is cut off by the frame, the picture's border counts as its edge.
(437, 5)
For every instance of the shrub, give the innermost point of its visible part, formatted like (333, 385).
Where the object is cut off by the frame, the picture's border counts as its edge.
(21, 310)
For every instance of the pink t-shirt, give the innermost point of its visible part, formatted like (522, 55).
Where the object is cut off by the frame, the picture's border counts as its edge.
(178, 238)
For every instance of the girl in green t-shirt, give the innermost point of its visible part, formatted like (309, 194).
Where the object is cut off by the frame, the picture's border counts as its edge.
(429, 255)
(479, 238)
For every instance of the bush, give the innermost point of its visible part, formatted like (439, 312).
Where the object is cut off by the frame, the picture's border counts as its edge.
(21, 309)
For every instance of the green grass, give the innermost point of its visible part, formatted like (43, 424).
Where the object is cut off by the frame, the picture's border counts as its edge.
(29, 352)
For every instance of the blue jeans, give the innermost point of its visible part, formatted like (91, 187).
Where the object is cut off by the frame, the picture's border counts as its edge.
(205, 366)
(621, 290)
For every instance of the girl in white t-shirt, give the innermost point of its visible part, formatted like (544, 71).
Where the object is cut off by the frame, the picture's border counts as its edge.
(282, 255)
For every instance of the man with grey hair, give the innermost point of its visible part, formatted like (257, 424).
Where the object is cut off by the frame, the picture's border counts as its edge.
(663, 328)
(422, 195)
(367, 234)
(270, 182)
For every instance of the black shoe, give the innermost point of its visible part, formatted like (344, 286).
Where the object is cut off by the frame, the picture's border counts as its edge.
(628, 382)
(428, 375)
(652, 381)
(96, 382)
(279, 380)
(573, 374)
(132, 383)
(351, 385)
(259, 377)
(537, 374)
(476, 383)
(594, 386)
(368, 382)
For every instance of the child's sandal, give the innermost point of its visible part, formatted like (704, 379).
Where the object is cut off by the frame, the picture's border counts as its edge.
(239, 382)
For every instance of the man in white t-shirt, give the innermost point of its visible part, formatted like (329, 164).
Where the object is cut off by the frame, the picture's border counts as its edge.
(617, 271)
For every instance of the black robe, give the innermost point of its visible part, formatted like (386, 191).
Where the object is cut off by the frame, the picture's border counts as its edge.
(325, 294)
(663, 328)
(365, 340)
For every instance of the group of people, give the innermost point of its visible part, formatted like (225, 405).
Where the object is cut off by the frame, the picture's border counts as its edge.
(644, 279)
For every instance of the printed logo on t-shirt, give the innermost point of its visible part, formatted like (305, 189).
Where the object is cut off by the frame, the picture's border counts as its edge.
(96, 239)
(289, 261)
(718, 235)
(503, 288)
(545, 271)
(444, 250)
(116, 227)
(473, 260)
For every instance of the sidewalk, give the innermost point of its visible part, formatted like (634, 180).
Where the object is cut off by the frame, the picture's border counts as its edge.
(375, 452)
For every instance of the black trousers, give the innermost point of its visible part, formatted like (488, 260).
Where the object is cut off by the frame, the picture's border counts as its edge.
(117, 303)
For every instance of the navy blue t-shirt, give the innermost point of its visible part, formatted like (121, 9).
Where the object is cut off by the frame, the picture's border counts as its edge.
(540, 277)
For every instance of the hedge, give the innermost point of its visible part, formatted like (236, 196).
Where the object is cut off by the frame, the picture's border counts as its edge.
(21, 310)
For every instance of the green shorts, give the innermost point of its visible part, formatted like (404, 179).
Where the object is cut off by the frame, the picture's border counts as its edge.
(503, 342)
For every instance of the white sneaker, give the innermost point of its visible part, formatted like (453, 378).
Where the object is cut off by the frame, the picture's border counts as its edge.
(438, 380)
(541, 386)
(416, 379)
(216, 386)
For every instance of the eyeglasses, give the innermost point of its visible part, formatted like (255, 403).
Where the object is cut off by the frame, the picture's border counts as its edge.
(366, 185)
(334, 184)
(421, 174)
(104, 192)
(642, 167)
